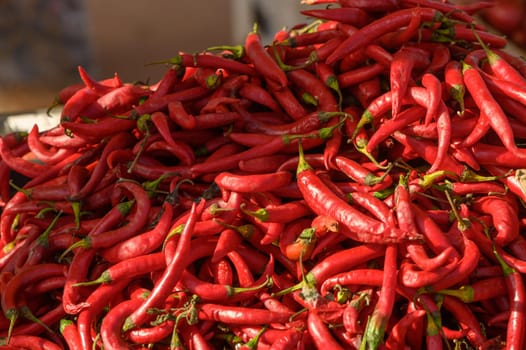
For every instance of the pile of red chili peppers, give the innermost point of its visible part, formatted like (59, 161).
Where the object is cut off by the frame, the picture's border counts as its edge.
(358, 183)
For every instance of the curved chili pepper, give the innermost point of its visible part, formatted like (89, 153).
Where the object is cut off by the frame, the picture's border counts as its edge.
(405, 60)
(153, 334)
(504, 214)
(43, 153)
(110, 328)
(73, 107)
(486, 102)
(19, 164)
(444, 137)
(243, 272)
(96, 300)
(12, 306)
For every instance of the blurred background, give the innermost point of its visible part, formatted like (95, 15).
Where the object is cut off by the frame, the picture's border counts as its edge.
(42, 42)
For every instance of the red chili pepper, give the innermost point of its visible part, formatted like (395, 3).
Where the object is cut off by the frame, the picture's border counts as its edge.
(171, 274)
(262, 61)
(118, 141)
(368, 277)
(242, 270)
(167, 82)
(405, 60)
(253, 183)
(342, 261)
(264, 164)
(76, 103)
(359, 75)
(396, 338)
(142, 243)
(31, 342)
(288, 102)
(377, 28)
(282, 213)
(319, 331)
(404, 118)
(42, 152)
(226, 163)
(211, 292)
(354, 16)
(513, 180)
(102, 87)
(179, 115)
(258, 94)
(317, 88)
(154, 334)
(116, 101)
(504, 213)
(64, 95)
(68, 329)
(479, 290)
(516, 92)
(237, 314)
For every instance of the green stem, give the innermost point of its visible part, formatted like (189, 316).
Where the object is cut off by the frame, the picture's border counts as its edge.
(260, 214)
(237, 51)
(26, 192)
(465, 293)
(360, 145)
(303, 165)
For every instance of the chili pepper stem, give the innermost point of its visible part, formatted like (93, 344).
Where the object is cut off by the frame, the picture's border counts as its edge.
(26, 192)
(362, 148)
(27, 314)
(238, 51)
(12, 316)
(465, 293)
